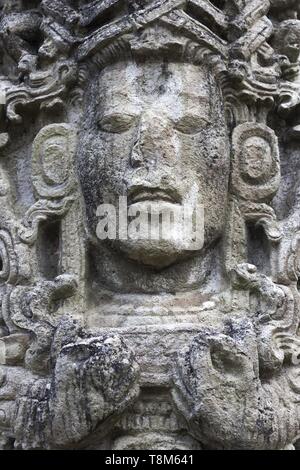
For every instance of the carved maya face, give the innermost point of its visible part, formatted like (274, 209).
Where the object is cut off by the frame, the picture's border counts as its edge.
(155, 131)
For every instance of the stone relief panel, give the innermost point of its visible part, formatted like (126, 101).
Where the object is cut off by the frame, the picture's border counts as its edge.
(132, 342)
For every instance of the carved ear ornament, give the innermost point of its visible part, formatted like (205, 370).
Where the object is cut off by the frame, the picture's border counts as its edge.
(255, 162)
(255, 179)
(53, 177)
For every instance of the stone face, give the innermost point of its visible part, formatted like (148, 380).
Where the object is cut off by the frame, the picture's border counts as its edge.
(135, 342)
(155, 127)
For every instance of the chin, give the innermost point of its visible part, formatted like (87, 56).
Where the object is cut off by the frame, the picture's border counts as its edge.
(158, 254)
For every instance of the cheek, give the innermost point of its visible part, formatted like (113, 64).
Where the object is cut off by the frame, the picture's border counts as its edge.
(209, 163)
(207, 156)
(103, 160)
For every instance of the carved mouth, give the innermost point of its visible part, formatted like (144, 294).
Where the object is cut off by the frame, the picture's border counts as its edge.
(153, 194)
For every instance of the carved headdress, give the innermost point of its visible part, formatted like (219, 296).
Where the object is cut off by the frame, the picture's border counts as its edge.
(235, 31)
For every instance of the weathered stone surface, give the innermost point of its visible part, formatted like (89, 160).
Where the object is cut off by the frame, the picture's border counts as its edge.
(136, 343)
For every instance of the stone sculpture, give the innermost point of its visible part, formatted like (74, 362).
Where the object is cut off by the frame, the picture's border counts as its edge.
(135, 343)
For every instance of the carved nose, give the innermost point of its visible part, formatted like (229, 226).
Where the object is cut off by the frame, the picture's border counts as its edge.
(150, 141)
(136, 154)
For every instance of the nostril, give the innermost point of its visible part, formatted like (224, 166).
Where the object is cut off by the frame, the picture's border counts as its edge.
(136, 157)
(135, 160)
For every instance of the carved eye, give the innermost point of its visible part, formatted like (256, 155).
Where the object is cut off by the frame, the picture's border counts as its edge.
(116, 123)
(191, 124)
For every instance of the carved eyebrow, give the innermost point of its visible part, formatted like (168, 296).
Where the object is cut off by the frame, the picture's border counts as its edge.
(190, 113)
(192, 103)
(117, 103)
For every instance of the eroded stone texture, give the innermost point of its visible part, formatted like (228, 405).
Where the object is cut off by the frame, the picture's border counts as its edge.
(144, 344)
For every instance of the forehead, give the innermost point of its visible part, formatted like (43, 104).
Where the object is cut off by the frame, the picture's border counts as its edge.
(155, 80)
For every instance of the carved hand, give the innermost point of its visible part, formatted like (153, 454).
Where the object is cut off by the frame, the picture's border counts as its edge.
(93, 379)
(219, 390)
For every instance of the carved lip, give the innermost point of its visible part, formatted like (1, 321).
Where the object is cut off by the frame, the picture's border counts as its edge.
(153, 194)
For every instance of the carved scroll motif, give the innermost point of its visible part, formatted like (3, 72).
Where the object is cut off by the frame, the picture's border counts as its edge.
(52, 176)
